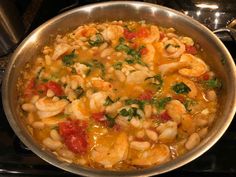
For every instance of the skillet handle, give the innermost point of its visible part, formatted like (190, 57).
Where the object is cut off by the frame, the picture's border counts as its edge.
(231, 33)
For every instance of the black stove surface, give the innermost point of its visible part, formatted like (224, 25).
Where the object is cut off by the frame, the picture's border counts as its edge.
(16, 160)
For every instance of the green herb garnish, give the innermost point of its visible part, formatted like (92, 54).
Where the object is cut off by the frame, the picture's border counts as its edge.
(68, 59)
(160, 103)
(79, 91)
(181, 88)
(213, 83)
(140, 103)
(117, 66)
(188, 103)
(158, 81)
(108, 101)
(110, 120)
(130, 113)
(97, 41)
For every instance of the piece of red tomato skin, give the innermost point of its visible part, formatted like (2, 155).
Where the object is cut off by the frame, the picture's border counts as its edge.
(144, 51)
(165, 116)
(70, 127)
(99, 116)
(30, 89)
(191, 49)
(146, 95)
(55, 87)
(129, 34)
(77, 143)
(143, 32)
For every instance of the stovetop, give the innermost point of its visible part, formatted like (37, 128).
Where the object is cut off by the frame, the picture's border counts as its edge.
(16, 160)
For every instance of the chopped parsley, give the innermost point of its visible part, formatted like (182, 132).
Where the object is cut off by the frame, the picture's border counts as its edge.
(73, 70)
(158, 81)
(160, 103)
(97, 41)
(108, 101)
(79, 91)
(213, 83)
(117, 65)
(140, 103)
(181, 88)
(130, 113)
(110, 120)
(39, 72)
(68, 59)
(188, 103)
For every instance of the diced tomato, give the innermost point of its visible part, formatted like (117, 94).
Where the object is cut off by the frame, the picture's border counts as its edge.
(29, 90)
(99, 116)
(129, 34)
(76, 143)
(144, 51)
(74, 135)
(181, 98)
(67, 128)
(206, 76)
(162, 35)
(191, 49)
(146, 95)
(41, 88)
(143, 32)
(55, 87)
(165, 116)
(134, 45)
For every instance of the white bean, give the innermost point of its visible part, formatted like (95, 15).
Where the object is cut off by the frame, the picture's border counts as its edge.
(34, 99)
(55, 98)
(151, 135)
(140, 134)
(50, 93)
(28, 107)
(148, 111)
(114, 107)
(38, 125)
(203, 132)
(146, 124)
(48, 60)
(201, 122)
(136, 123)
(120, 75)
(140, 146)
(211, 95)
(106, 52)
(51, 144)
(74, 84)
(55, 135)
(192, 141)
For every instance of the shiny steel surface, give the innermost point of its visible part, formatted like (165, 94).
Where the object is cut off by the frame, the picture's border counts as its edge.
(11, 27)
(159, 15)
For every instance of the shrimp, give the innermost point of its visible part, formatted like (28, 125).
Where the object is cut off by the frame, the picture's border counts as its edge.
(100, 84)
(85, 31)
(97, 100)
(137, 77)
(175, 109)
(107, 155)
(153, 36)
(76, 109)
(171, 67)
(47, 107)
(157, 155)
(113, 32)
(173, 48)
(74, 81)
(167, 131)
(149, 57)
(197, 67)
(60, 49)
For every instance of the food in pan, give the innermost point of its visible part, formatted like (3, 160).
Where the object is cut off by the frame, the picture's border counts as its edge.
(119, 95)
